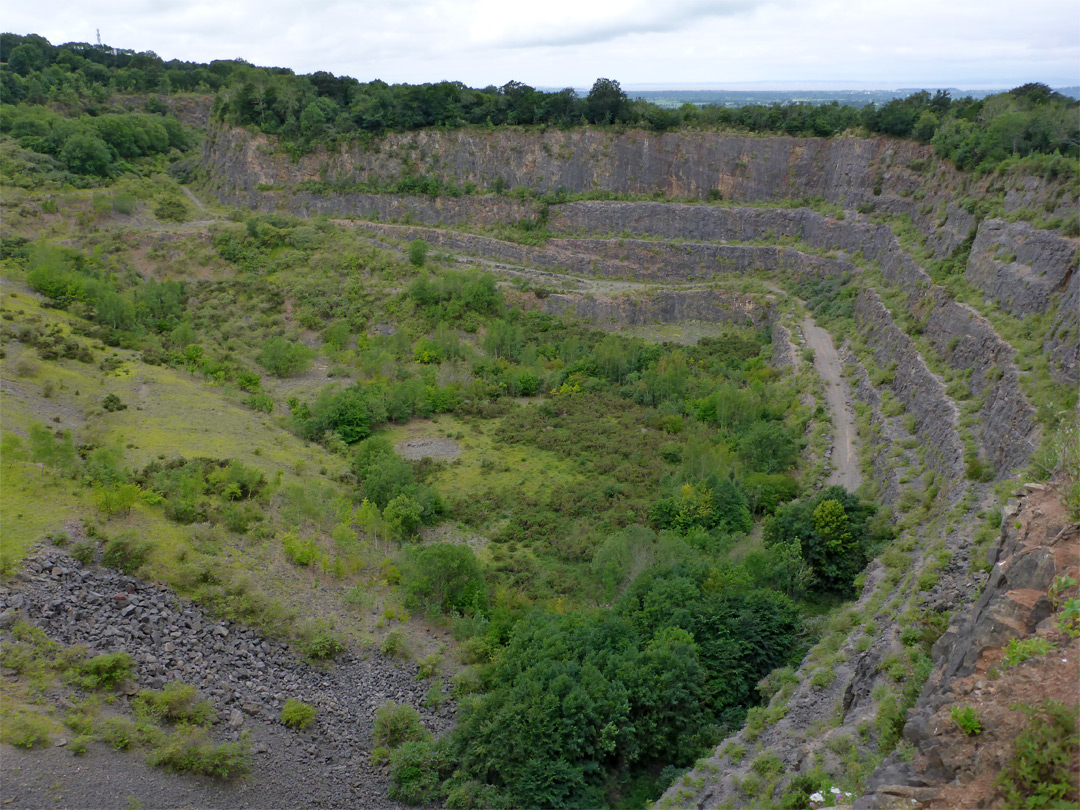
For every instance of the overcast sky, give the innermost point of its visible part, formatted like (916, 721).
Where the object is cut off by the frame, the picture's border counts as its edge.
(785, 44)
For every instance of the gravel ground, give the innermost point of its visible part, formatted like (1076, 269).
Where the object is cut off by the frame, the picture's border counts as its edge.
(246, 677)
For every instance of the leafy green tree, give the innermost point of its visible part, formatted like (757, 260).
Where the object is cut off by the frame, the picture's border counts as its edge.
(768, 447)
(417, 252)
(836, 532)
(402, 516)
(86, 154)
(51, 451)
(503, 339)
(444, 577)
(606, 103)
(25, 59)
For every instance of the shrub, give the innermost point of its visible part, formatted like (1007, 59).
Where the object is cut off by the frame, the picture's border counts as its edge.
(79, 744)
(125, 552)
(176, 703)
(24, 729)
(396, 724)
(395, 645)
(112, 403)
(428, 667)
(301, 550)
(1019, 650)
(317, 641)
(417, 771)
(84, 551)
(1039, 773)
(283, 358)
(121, 733)
(444, 578)
(190, 750)
(171, 209)
(105, 671)
(417, 252)
(967, 719)
(296, 714)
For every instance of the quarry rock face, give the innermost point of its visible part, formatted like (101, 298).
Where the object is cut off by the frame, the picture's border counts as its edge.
(884, 212)
(665, 306)
(1019, 266)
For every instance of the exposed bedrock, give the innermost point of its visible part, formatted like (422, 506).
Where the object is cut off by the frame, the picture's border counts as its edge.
(1019, 266)
(1037, 545)
(660, 306)
(883, 174)
(915, 385)
(641, 260)
(687, 164)
(480, 211)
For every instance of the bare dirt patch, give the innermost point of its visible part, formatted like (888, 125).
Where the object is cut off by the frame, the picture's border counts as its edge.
(428, 447)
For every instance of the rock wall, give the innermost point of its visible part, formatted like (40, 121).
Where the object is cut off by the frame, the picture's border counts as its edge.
(915, 385)
(640, 260)
(686, 164)
(663, 306)
(436, 211)
(1020, 266)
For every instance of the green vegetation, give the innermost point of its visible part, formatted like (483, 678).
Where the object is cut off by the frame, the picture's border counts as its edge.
(170, 725)
(1039, 773)
(322, 108)
(628, 540)
(967, 720)
(297, 714)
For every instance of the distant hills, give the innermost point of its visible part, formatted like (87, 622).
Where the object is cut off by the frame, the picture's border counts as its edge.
(675, 97)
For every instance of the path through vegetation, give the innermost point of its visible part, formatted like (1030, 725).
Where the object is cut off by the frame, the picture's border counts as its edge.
(827, 364)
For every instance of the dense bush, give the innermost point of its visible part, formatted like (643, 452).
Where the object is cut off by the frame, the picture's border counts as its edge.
(1040, 773)
(283, 358)
(396, 724)
(837, 534)
(444, 578)
(579, 696)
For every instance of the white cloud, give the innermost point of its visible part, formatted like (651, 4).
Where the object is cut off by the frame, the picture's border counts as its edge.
(569, 42)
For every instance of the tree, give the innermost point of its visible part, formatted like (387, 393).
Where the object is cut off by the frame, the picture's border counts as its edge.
(835, 530)
(444, 577)
(283, 358)
(768, 447)
(417, 253)
(86, 154)
(606, 103)
(25, 59)
(402, 516)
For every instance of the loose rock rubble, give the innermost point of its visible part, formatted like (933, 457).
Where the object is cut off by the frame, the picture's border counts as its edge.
(247, 678)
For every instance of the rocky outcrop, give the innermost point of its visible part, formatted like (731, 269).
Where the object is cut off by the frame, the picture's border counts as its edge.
(439, 211)
(637, 259)
(1062, 342)
(1038, 544)
(1020, 266)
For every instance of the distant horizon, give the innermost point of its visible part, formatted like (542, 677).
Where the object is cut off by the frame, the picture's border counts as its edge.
(829, 85)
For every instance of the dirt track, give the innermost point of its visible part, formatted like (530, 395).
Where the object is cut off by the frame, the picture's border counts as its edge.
(827, 364)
